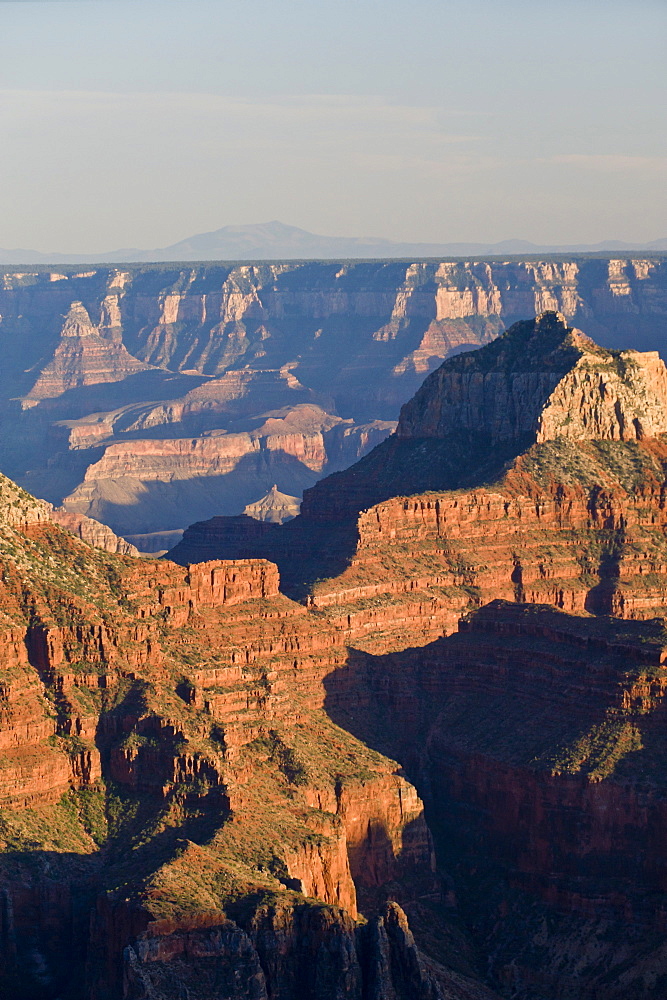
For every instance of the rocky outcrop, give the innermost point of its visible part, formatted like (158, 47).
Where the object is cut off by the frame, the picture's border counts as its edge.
(593, 472)
(83, 357)
(320, 955)
(500, 393)
(18, 508)
(546, 381)
(541, 382)
(93, 532)
(622, 400)
(275, 507)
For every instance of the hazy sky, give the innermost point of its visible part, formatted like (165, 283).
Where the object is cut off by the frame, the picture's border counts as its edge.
(130, 123)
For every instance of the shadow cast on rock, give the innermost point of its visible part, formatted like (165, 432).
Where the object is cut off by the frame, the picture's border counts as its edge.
(150, 505)
(45, 911)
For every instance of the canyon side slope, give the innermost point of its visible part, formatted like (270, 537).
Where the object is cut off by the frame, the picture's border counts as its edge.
(178, 814)
(149, 397)
(533, 726)
(438, 774)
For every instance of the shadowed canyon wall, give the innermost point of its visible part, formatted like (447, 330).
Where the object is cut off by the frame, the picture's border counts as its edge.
(538, 740)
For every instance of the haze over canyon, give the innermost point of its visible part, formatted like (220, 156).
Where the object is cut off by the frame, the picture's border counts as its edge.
(277, 241)
(152, 397)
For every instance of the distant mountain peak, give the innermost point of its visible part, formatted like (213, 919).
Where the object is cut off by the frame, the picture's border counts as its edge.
(276, 240)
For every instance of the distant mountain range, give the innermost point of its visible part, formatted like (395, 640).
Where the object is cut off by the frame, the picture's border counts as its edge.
(277, 241)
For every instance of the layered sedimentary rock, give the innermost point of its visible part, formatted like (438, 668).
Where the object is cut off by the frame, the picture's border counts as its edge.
(171, 790)
(540, 737)
(111, 358)
(543, 383)
(537, 468)
(208, 781)
(18, 508)
(320, 956)
(189, 477)
(83, 357)
(553, 453)
(93, 532)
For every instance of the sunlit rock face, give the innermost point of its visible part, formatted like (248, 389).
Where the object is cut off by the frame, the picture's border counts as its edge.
(547, 381)
(179, 813)
(531, 469)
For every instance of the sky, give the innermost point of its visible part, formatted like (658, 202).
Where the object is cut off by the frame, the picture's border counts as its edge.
(137, 123)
